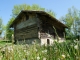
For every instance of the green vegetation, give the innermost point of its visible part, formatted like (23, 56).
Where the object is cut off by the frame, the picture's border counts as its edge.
(0, 26)
(67, 50)
(70, 20)
(4, 42)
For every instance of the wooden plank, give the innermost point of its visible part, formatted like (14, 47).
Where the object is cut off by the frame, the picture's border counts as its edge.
(26, 23)
(27, 33)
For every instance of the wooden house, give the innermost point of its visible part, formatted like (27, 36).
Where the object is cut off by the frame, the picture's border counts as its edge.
(37, 25)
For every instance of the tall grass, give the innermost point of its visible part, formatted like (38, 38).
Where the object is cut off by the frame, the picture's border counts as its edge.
(58, 51)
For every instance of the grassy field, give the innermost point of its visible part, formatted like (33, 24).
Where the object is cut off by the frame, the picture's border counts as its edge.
(68, 50)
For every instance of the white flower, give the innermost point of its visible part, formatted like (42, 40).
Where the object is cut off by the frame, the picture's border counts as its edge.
(59, 38)
(33, 42)
(60, 41)
(28, 53)
(44, 51)
(24, 50)
(44, 58)
(63, 56)
(23, 59)
(0, 57)
(27, 46)
(20, 54)
(77, 58)
(38, 58)
(68, 55)
(76, 46)
(36, 50)
(3, 49)
(76, 41)
(10, 49)
(55, 40)
(72, 45)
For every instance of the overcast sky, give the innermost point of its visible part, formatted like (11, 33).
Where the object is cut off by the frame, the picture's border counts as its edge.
(60, 7)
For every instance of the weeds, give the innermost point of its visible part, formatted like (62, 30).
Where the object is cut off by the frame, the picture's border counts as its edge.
(57, 51)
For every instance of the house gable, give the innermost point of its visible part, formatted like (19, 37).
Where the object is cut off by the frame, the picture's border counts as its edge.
(37, 24)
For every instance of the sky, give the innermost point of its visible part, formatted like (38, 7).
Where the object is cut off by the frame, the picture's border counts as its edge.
(60, 7)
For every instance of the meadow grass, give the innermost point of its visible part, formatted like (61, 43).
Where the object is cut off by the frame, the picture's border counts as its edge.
(68, 50)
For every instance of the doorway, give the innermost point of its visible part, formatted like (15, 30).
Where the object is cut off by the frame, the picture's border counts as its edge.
(48, 41)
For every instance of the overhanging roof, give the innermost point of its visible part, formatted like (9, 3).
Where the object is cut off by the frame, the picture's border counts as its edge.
(43, 13)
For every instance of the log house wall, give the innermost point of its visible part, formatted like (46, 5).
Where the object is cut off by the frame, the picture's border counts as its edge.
(26, 29)
(35, 28)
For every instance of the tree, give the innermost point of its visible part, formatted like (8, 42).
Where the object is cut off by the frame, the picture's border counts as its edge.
(17, 9)
(0, 26)
(9, 31)
(69, 19)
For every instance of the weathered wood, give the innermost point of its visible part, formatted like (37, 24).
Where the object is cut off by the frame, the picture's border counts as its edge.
(37, 27)
(27, 33)
(26, 23)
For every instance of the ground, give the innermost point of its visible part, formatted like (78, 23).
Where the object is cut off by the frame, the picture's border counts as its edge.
(67, 50)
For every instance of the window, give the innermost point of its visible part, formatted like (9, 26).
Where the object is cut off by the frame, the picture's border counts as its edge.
(27, 17)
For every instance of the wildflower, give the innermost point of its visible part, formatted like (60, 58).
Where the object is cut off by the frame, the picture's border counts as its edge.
(63, 56)
(20, 54)
(60, 41)
(76, 46)
(35, 49)
(76, 39)
(77, 58)
(59, 59)
(10, 49)
(23, 59)
(24, 50)
(44, 58)
(59, 38)
(44, 51)
(0, 57)
(68, 55)
(3, 49)
(55, 40)
(28, 53)
(38, 58)
(72, 45)
(33, 43)
(27, 46)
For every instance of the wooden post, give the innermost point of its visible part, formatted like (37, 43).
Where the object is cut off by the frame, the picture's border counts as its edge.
(12, 38)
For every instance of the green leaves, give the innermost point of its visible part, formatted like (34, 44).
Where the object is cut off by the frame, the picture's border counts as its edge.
(9, 31)
(69, 19)
(17, 8)
(0, 26)
(0, 22)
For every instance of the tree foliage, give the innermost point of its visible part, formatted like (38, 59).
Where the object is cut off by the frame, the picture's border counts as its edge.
(69, 19)
(0, 26)
(17, 9)
(9, 31)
